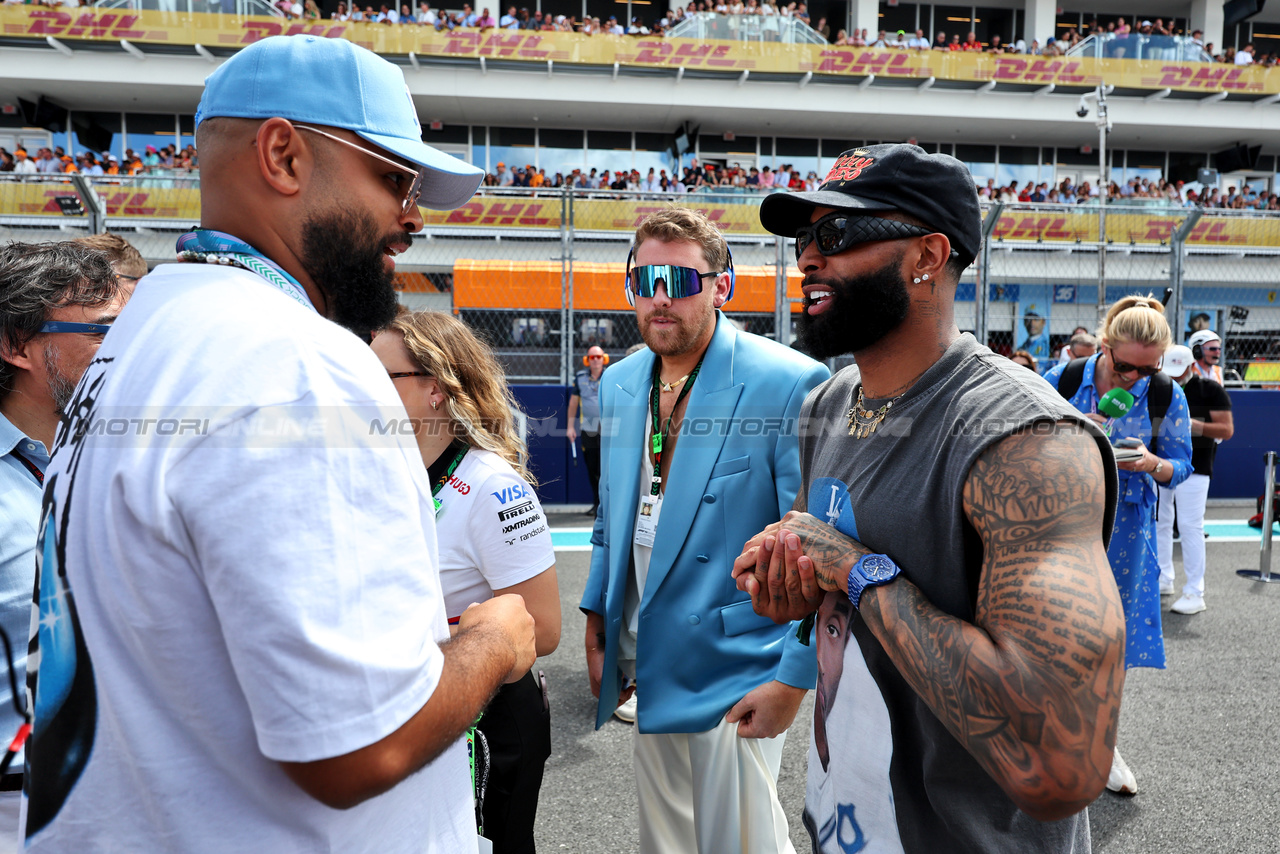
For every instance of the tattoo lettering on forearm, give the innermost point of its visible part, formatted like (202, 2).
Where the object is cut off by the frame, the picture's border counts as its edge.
(1032, 687)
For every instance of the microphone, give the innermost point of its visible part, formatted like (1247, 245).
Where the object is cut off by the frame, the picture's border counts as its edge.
(1115, 404)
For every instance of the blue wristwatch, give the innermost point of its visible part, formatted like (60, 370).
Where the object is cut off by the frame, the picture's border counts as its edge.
(870, 571)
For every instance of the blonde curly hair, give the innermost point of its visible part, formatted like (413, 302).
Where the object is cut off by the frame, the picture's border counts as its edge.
(476, 394)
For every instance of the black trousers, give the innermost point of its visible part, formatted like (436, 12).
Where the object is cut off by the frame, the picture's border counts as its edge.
(591, 456)
(517, 727)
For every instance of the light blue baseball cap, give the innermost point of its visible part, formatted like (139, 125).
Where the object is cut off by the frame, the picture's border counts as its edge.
(335, 83)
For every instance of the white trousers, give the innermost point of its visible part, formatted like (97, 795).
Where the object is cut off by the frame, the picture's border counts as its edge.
(710, 792)
(1189, 497)
(10, 837)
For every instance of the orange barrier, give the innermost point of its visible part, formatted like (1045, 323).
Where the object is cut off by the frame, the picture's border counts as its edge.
(597, 286)
(37, 22)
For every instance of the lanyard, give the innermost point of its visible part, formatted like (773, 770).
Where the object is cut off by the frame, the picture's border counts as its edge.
(31, 467)
(440, 476)
(204, 245)
(659, 430)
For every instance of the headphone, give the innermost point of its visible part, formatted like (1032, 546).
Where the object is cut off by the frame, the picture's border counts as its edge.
(631, 297)
(586, 360)
(1197, 349)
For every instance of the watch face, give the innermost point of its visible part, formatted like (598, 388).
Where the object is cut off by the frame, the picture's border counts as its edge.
(878, 568)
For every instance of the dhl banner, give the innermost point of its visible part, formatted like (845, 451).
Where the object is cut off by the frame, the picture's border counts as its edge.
(1123, 226)
(18, 199)
(211, 30)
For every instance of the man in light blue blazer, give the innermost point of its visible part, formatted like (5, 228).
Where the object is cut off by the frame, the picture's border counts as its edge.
(699, 452)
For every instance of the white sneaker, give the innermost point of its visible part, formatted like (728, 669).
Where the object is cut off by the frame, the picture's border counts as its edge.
(1166, 587)
(1121, 780)
(1188, 605)
(627, 711)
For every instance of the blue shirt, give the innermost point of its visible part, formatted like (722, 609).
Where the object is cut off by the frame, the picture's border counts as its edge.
(20, 494)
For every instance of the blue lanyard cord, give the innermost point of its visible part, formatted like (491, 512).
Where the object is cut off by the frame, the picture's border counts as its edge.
(206, 246)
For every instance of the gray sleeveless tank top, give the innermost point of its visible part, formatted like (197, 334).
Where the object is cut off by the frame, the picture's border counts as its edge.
(895, 777)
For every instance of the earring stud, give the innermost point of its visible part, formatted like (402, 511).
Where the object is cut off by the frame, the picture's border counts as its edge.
(925, 277)
(435, 404)
(916, 280)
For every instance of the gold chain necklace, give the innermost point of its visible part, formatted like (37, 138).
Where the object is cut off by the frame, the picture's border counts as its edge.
(863, 423)
(674, 385)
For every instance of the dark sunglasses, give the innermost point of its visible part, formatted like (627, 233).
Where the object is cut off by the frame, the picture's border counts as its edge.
(838, 231)
(398, 374)
(1125, 368)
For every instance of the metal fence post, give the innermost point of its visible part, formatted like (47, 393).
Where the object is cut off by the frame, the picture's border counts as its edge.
(781, 302)
(1263, 572)
(1178, 266)
(982, 281)
(566, 299)
(93, 204)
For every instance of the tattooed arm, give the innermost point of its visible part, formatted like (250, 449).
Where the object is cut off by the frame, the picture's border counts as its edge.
(1032, 687)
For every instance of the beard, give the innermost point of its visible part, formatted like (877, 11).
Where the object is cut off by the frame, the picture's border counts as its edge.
(344, 255)
(680, 339)
(61, 387)
(865, 309)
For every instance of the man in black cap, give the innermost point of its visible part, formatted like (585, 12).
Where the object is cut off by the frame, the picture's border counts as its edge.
(964, 511)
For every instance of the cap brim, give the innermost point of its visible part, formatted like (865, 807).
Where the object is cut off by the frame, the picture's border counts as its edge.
(449, 182)
(783, 213)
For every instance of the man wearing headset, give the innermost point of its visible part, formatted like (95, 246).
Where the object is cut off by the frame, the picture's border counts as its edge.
(586, 394)
(699, 446)
(1206, 349)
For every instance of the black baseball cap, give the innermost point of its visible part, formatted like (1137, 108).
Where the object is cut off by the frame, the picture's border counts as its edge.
(936, 189)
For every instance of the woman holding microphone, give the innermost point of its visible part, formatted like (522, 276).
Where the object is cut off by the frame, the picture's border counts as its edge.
(493, 536)
(1134, 338)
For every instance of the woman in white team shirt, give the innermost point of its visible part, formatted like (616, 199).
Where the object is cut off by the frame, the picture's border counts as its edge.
(492, 533)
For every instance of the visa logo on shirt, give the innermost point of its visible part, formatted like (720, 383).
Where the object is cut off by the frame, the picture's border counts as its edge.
(512, 493)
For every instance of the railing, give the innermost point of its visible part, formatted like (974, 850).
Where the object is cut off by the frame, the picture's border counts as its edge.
(189, 7)
(541, 270)
(1138, 46)
(745, 28)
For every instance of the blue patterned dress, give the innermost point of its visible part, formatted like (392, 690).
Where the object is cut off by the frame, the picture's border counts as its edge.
(1133, 542)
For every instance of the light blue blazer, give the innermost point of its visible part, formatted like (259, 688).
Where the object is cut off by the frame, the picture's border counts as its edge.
(735, 470)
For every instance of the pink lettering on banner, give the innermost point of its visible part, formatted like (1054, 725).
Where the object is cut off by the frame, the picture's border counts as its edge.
(255, 30)
(462, 43)
(49, 23)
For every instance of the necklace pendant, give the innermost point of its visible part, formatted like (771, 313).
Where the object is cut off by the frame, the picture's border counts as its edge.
(874, 426)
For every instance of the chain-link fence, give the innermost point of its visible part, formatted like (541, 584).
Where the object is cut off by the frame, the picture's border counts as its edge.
(540, 272)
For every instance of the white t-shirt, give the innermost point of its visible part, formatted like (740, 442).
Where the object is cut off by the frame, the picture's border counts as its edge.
(493, 533)
(249, 556)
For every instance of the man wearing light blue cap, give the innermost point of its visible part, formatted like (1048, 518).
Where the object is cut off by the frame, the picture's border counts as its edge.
(242, 643)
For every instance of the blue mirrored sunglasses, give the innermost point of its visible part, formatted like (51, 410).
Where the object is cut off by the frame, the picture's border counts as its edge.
(678, 282)
(63, 326)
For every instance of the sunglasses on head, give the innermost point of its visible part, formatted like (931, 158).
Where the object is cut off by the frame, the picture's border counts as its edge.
(836, 232)
(1125, 368)
(678, 282)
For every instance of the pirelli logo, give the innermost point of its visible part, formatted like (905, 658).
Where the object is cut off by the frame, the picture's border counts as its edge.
(515, 510)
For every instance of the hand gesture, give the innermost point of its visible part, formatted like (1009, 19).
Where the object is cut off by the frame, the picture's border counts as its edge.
(506, 615)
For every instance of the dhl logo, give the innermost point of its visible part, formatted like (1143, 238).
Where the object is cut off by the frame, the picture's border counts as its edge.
(86, 25)
(1205, 231)
(666, 53)
(897, 63)
(723, 218)
(495, 44)
(123, 203)
(499, 213)
(1031, 227)
(1211, 77)
(1043, 71)
(257, 30)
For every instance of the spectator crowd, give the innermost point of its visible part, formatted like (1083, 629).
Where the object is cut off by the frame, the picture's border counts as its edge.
(167, 161)
(1156, 190)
